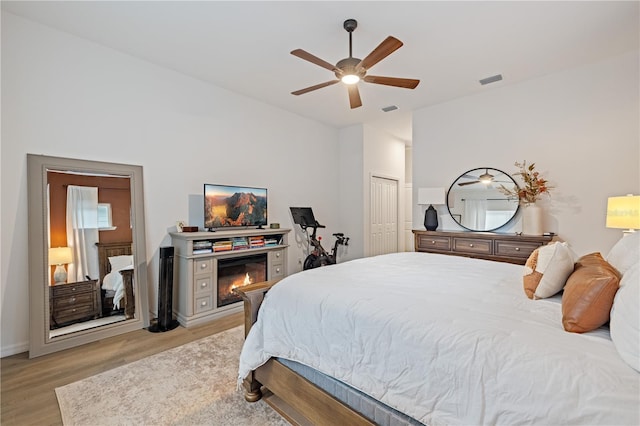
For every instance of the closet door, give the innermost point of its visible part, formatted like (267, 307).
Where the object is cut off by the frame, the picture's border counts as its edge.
(384, 216)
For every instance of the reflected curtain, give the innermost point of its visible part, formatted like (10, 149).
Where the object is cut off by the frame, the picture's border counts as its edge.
(475, 214)
(82, 232)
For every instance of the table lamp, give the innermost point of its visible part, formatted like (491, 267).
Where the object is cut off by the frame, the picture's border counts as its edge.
(430, 196)
(624, 212)
(60, 256)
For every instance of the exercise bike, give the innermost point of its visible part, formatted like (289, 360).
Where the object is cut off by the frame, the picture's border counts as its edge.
(304, 217)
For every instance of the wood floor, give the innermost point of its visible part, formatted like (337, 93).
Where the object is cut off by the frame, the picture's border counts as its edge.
(27, 385)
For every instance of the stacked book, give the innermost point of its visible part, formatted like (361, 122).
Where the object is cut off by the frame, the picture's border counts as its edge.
(270, 241)
(222, 245)
(239, 243)
(256, 241)
(200, 247)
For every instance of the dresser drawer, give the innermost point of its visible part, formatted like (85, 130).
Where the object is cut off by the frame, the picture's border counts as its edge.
(203, 304)
(434, 243)
(276, 271)
(515, 249)
(73, 288)
(202, 285)
(74, 313)
(202, 266)
(472, 245)
(81, 299)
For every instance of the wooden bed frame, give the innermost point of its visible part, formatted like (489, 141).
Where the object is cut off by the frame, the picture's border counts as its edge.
(294, 397)
(106, 250)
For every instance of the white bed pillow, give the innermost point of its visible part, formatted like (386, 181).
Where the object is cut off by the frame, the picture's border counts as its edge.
(625, 253)
(118, 263)
(624, 324)
(547, 270)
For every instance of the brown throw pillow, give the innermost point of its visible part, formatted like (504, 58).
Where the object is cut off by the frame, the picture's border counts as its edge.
(589, 293)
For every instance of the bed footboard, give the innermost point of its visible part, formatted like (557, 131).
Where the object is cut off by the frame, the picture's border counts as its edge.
(252, 295)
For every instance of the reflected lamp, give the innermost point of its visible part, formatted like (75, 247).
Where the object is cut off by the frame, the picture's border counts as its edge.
(624, 213)
(431, 196)
(60, 256)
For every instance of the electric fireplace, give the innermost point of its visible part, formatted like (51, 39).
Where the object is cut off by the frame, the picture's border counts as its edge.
(237, 272)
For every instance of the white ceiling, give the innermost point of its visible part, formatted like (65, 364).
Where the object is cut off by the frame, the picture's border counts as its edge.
(244, 46)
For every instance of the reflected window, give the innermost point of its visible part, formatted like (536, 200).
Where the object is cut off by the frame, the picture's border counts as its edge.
(105, 222)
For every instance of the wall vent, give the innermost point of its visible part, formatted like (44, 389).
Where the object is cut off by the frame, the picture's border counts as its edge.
(491, 79)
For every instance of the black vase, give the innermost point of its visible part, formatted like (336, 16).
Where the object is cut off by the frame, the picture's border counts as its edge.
(431, 218)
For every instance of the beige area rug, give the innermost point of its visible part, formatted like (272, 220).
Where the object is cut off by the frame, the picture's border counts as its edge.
(193, 384)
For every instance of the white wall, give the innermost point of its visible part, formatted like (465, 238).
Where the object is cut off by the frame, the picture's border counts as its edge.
(365, 152)
(65, 96)
(580, 126)
(351, 190)
(384, 156)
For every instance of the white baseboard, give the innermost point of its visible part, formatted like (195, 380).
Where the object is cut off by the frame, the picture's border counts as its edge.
(14, 349)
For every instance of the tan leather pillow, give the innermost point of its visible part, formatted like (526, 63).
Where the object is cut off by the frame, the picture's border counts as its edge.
(589, 293)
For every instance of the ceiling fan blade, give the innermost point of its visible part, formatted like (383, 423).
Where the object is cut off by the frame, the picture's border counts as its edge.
(384, 49)
(354, 96)
(407, 83)
(468, 183)
(317, 86)
(313, 59)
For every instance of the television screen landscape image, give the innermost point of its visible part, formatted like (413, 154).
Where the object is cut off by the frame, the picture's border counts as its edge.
(227, 206)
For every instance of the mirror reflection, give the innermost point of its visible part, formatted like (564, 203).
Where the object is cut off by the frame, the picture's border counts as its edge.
(476, 202)
(90, 251)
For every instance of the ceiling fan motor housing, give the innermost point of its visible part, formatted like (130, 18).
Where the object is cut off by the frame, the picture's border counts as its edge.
(348, 66)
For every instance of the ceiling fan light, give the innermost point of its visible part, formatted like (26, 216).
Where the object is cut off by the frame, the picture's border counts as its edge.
(350, 79)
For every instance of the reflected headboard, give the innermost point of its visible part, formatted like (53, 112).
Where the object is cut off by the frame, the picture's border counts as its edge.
(107, 250)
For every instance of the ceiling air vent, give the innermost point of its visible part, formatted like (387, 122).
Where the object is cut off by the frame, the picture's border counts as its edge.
(491, 79)
(390, 108)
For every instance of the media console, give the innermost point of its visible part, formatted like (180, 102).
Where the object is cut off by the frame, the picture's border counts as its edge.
(209, 265)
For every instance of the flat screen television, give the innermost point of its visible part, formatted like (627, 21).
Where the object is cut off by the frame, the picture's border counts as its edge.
(233, 206)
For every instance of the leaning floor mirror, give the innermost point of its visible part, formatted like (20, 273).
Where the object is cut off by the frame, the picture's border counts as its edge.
(87, 257)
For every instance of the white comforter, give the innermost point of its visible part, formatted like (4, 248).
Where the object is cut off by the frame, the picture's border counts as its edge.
(446, 340)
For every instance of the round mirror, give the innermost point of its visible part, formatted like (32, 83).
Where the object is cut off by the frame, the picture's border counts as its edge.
(477, 201)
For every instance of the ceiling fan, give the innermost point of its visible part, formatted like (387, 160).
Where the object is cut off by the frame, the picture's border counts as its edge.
(485, 178)
(351, 70)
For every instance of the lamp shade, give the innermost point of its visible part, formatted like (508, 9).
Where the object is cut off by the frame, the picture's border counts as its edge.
(60, 256)
(623, 212)
(429, 196)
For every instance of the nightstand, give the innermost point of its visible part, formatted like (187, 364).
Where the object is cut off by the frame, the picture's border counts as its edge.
(72, 302)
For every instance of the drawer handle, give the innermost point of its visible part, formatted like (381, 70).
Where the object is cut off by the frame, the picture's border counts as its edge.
(73, 310)
(278, 270)
(517, 248)
(470, 245)
(73, 299)
(203, 266)
(433, 242)
(203, 285)
(73, 289)
(277, 254)
(203, 303)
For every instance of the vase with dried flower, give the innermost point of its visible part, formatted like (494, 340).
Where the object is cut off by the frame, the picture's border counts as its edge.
(533, 187)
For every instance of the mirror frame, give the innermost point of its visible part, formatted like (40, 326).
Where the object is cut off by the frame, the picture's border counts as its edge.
(515, 212)
(39, 341)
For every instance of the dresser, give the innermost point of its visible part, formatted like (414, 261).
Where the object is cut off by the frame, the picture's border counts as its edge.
(509, 248)
(73, 302)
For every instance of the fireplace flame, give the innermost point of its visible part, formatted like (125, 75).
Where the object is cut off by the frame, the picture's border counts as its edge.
(247, 280)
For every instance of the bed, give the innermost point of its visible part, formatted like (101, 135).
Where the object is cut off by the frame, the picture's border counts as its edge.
(435, 339)
(115, 263)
